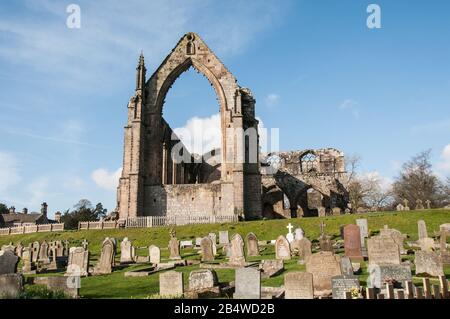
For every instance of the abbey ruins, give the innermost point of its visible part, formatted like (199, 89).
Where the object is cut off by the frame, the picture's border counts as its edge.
(233, 180)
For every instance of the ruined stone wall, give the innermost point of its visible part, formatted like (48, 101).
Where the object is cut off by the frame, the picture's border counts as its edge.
(188, 200)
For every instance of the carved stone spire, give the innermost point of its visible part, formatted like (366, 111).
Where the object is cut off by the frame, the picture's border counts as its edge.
(140, 73)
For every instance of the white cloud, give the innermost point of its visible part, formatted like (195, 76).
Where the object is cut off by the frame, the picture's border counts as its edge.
(9, 172)
(351, 106)
(375, 176)
(105, 179)
(444, 164)
(272, 100)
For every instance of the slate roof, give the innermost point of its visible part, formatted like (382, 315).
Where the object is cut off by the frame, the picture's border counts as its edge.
(20, 218)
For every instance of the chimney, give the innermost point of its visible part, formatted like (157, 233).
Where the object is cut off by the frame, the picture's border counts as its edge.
(58, 217)
(12, 210)
(25, 211)
(44, 209)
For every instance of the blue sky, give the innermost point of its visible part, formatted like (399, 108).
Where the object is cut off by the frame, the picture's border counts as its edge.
(317, 72)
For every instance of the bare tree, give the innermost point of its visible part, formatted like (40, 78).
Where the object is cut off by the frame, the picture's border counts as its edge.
(417, 181)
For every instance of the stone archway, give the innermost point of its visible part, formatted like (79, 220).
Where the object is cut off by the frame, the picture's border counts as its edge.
(148, 166)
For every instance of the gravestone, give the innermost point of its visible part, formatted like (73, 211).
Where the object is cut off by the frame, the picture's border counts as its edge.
(299, 234)
(106, 262)
(323, 266)
(298, 285)
(247, 283)
(223, 237)
(352, 242)
(428, 263)
(26, 260)
(272, 267)
(11, 285)
(444, 253)
(419, 204)
(364, 230)
(343, 284)
(19, 249)
(35, 251)
(186, 243)
(237, 250)
(252, 245)
(10, 247)
(302, 248)
(85, 244)
(379, 275)
(43, 253)
(325, 243)
(400, 208)
(78, 262)
(282, 248)
(174, 248)
(171, 284)
(213, 237)
(383, 250)
(422, 229)
(207, 249)
(202, 279)
(127, 251)
(155, 254)
(8, 262)
(290, 234)
(426, 244)
(60, 284)
(346, 266)
(198, 241)
(59, 248)
(396, 235)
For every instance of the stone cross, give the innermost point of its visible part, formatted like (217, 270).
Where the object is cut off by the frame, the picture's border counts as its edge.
(85, 244)
(428, 202)
(290, 235)
(405, 202)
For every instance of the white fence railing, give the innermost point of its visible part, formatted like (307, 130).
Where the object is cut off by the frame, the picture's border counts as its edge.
(157, 221)
(29, 229)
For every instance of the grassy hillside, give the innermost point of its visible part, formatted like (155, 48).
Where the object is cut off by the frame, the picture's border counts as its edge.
(116, 285)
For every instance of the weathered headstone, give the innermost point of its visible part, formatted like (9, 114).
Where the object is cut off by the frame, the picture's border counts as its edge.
(127, 251)
(198, 241)
(323, 266)
(202, 279)
(325, 243)
(11, 285)
(213, 237)
(422, 229)
(396, 235)
(352, 242)
(298, 285)
(252, 245)
(247, 283)
(26, 260)
(19, 249)
(10, 247)
(60, 284)
(106, 262)
(302, 248)
(379, 275)
(282, 248)
(171, 284)
(237, 256)
(343, 284)
(428, 263)
(419, 204)
(271, 267)
(207, 249)
(43, 253)
(383, 250)
(299, 234)
(155, 254)
(364, 230)
(426, 244)
(223, 237)
(8, 262)
(174, 248)
(346, 266)
(35, 251)
(78, 262)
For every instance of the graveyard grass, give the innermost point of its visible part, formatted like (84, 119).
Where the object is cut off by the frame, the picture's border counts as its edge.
(116, 285)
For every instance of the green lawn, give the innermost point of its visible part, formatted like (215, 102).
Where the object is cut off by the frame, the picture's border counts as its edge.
(116, 285)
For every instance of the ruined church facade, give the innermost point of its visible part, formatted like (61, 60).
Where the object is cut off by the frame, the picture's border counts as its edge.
(230, 181)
